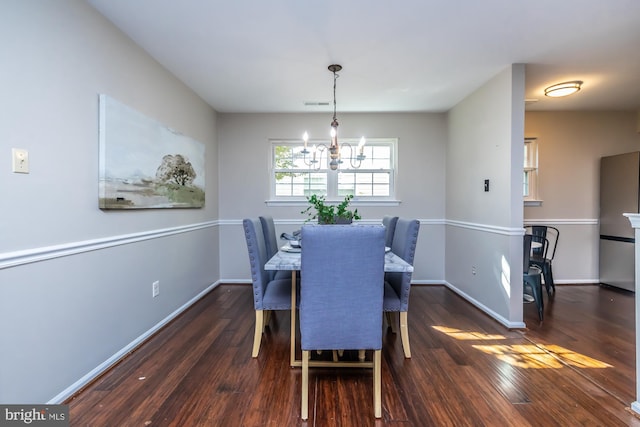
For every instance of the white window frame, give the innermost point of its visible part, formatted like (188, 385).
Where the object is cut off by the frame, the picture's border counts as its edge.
(531, 170)
(332, 176)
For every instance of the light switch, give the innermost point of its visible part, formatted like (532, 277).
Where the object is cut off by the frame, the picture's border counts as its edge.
(20, 160)
(486, 185)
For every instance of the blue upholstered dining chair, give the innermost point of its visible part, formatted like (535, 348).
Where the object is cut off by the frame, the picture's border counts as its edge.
(341, 292)
(397, 286)
(269, 230)
(271, 243)
(389, 223)
(268, 294)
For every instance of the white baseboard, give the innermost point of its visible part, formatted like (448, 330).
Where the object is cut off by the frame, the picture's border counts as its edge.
(499, 318)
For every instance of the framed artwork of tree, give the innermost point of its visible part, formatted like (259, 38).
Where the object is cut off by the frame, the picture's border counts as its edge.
(145, 164)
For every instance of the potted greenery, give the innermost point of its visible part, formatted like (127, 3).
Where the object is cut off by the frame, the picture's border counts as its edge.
(330, 214)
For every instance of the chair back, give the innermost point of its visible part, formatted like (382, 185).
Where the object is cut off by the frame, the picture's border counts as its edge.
(342, 283)
(539, 248)
(389, 223)
(405, 240)
(526, 255)
(270, 241)
(257, 258)
(269, 230)
(553, 235)
(539, 233)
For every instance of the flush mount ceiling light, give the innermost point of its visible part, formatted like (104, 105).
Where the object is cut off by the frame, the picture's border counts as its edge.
(563, 89)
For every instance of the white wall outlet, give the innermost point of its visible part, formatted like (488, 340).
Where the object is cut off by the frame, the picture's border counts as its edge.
(155, 288)
(20, 160)
(473, 270)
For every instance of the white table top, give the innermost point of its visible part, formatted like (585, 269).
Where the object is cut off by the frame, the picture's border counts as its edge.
(291, 261)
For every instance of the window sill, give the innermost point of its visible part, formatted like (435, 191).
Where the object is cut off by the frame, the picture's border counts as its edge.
(386, 202)
(533, 203)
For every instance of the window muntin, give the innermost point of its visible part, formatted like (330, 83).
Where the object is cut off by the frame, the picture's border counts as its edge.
(530, 181)
(294, 176)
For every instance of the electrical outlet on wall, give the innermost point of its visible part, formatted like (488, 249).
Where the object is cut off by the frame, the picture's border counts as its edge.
(155, 288)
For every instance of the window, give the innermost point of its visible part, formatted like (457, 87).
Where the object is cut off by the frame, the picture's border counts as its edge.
(530, 190)
(295, 175)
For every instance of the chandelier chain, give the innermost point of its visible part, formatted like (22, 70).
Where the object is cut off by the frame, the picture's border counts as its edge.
(335, 77)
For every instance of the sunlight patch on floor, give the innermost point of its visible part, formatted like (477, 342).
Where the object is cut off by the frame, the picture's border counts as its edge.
(531, 356)
(575, 359)
(527, 356)
(522, 356)
(467, 335)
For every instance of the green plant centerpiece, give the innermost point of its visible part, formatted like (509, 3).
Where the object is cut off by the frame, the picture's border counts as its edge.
(330, 214)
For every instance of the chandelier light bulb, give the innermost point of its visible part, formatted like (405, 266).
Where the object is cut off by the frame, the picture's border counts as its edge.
(361, 144)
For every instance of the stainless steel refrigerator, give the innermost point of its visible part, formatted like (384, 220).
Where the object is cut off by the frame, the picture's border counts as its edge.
(619, 193)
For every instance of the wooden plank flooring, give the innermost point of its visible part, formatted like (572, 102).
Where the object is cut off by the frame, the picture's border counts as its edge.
(575, 368)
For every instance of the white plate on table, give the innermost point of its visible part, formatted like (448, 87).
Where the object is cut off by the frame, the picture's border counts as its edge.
(289, 248)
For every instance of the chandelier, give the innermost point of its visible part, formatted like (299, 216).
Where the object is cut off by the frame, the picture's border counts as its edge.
(334, 148)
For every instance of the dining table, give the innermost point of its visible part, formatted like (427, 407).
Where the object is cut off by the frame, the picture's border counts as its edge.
(289, 258)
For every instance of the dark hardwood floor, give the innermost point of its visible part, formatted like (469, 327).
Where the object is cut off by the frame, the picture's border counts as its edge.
(575, 368)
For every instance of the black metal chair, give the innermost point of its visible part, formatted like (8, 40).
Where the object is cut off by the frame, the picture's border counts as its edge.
(543, 256)
(531, 277)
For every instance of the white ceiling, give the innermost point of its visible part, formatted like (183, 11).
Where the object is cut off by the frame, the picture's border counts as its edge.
(404, 55)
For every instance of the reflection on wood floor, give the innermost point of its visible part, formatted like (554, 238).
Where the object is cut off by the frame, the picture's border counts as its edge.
(575, 368)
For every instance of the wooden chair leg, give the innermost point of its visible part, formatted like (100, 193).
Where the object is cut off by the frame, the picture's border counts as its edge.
(377, 383)
(304, 411)
(257, 337)
(267, 317)
(404, 332)
(393, 321)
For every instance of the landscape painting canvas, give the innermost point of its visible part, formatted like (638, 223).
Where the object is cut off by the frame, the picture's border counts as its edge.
(145, 164)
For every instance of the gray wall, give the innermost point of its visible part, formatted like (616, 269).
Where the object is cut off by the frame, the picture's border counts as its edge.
(484, 229)
(75, 281)
(244, 171)
(570, 145)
